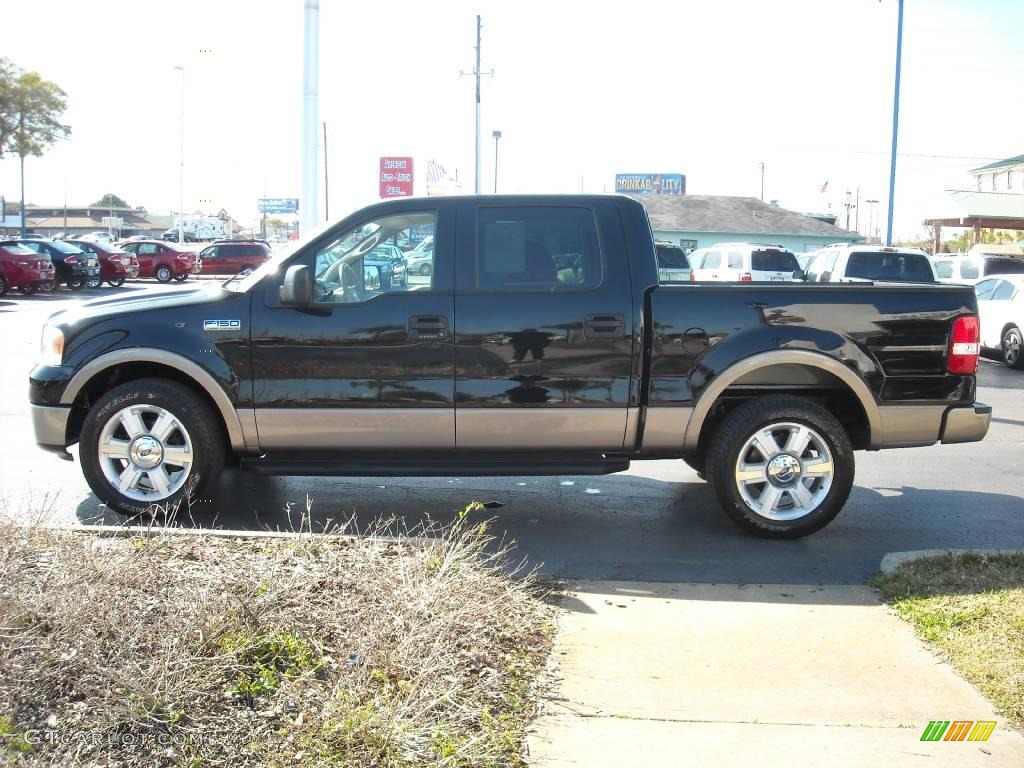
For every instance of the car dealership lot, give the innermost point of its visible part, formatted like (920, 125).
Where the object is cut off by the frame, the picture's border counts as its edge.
(656, 522)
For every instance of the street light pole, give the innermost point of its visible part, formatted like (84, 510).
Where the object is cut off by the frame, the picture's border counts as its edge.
(895, 122)
(181, 163)
(308, 208)
(496, 135)
(762, 181)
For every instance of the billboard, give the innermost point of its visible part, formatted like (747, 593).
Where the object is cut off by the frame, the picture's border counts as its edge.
(650, 183)
(279, 205)
(395, 176)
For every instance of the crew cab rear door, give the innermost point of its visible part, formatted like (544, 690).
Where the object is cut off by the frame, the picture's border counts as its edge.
(367, 366)
(543, 326)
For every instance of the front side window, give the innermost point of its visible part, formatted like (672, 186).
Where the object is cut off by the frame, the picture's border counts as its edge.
(149, 249)
(537, 248)
(365, 261)
(1004, 292)
(713, 260)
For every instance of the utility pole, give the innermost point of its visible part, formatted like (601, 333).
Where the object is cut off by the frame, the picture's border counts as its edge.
(856, 214)
(327, 191)
(308, 208)
(848, 205)
(871, 217)
(21, 159)
(181, 162)
(496, 135)
(895, 122)
(762, 181)
(477, 73)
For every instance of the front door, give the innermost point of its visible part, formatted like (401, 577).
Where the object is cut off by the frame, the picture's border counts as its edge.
(367, 366)
(544, 327)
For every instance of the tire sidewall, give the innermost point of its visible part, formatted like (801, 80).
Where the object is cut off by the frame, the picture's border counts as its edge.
(163, 274)
(1019, 362)
(733, 435)
(195, 416)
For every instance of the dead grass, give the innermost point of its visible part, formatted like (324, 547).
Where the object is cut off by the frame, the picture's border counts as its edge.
(970, 607)
(190, 651)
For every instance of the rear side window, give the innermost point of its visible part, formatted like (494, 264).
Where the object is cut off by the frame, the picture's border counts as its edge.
(537, 248)
(735, 260)
(944, 269)
(774, 261)
(713, 260)
(1004, 292)
(969, 270)
(1003, 267)
(888, 266)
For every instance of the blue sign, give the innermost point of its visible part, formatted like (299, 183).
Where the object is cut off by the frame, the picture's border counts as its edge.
(650, 183)
(278, 205)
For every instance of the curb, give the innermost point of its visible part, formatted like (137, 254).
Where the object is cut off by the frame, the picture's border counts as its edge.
(893, 560)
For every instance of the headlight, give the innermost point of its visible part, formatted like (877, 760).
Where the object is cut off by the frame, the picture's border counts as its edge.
(51, 347)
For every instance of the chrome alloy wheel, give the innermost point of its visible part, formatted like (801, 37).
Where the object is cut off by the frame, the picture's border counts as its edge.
(1011, 347)
(784, 471)
(145, 453)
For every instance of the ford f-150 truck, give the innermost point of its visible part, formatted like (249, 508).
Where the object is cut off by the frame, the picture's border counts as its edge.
(539, 342)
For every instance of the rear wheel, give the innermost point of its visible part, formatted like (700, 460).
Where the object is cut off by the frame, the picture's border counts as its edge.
(150, 444)
(93, 282)
(116, 283)
(425, 270)
(1013, 348)
(781, 466)
(164, 274)
(48, 286)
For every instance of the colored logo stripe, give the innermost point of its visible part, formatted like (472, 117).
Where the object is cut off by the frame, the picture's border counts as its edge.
(958, 730)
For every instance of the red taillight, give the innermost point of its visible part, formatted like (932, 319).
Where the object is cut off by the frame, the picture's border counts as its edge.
(746, 278)
(71, 260)
(964, 346)
(692, 278)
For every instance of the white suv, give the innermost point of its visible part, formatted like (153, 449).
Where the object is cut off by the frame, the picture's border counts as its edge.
(744, 263)
(869, 263)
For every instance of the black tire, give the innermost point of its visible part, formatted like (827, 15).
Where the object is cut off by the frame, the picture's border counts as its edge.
(1012, 348)
(197, 418)
(740, 426)
(28, 290)
(697, 462)
(93, 282)
(164, 274)
(3, 286)
(76, 285)
(48, 287)
(425, 270)
(181, 278)
(116, 283)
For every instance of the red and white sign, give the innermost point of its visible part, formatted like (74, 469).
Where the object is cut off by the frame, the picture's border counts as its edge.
(395, 176)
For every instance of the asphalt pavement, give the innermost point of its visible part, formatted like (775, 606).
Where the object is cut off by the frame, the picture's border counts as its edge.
(656, 522)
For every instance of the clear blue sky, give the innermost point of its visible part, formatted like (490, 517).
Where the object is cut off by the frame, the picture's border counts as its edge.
(582, 90)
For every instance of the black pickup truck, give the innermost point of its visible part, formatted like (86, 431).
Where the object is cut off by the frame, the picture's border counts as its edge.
(539, 342)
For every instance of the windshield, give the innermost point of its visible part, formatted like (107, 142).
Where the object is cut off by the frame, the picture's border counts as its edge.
(773, 261)
(892, 267)
(670, 257)
(273, 264)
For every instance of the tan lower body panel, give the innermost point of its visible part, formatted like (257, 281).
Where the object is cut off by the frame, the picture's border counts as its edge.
(355, 428)
(665, 428)
(908, 426)
(598, 429)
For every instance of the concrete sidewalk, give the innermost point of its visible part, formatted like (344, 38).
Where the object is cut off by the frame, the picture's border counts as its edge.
(727, 675)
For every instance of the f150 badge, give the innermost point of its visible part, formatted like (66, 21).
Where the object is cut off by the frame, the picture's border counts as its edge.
(222, 325)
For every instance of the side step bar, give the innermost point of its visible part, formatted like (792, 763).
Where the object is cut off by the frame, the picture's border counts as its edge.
(427, 467)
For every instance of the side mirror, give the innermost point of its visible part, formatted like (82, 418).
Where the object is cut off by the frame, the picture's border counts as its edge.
(371, 277)
(799, 274)
(297, 288)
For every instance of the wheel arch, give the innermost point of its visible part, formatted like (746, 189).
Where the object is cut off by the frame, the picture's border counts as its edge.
(777, 368)
(119, 366)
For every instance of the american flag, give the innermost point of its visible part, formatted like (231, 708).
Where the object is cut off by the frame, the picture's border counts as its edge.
(436, 172)
(824, 188)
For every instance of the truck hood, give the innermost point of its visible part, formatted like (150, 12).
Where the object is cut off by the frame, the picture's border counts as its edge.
(143, 302)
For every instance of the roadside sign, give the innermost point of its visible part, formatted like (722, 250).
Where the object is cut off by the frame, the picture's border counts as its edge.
(396, 177)
(650, 183)
(112, 221)
(279, 205)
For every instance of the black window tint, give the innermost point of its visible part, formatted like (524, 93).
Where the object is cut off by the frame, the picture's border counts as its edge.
(670, 257)
(538, 248)
(1004, 292)
(774, 261)
(887, 266)
(1009, 266)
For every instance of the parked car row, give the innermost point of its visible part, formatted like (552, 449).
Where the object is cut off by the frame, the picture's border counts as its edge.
(33, 264)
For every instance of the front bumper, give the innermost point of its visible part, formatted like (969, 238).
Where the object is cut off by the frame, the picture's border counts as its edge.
(50, 424)
(966, 424)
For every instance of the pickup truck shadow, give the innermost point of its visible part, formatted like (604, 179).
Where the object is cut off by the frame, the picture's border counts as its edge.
(622, 527)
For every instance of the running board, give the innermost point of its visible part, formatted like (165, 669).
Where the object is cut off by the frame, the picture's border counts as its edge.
(427, 467)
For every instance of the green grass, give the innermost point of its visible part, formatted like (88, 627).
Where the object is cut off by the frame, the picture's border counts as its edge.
(971, 608)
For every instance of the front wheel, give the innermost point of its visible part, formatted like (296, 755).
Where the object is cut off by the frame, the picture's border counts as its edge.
(148, 445)
(1013, 348)
(48, 287)
(782, 467)
(164, 274)
(425, 270)
(116, 283)
(93, 282)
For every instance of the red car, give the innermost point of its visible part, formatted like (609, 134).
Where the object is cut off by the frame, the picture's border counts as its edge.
(161, 260)
(23, 268)
(232, 257)
(116, 264)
